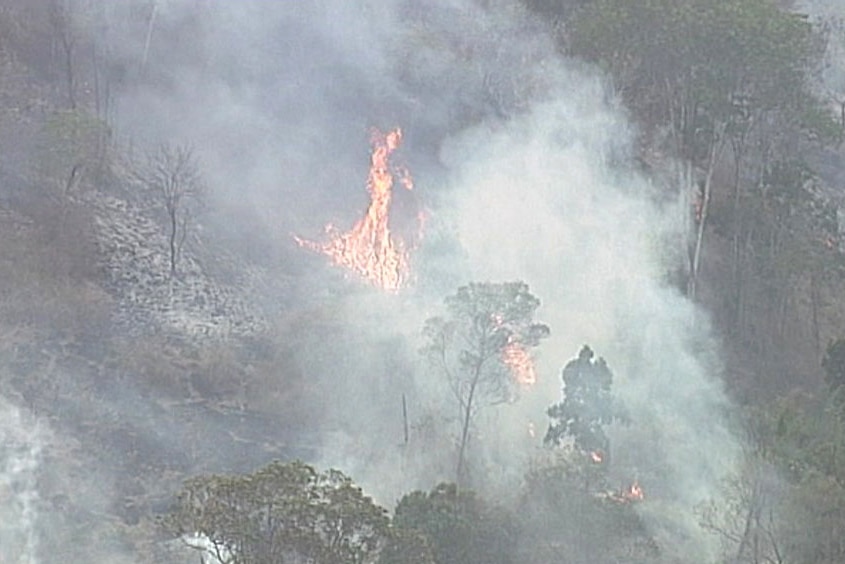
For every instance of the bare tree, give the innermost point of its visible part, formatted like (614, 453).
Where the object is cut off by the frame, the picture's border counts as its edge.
(172, 174)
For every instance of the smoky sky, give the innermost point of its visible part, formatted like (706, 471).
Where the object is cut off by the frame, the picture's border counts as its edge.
(524, 160)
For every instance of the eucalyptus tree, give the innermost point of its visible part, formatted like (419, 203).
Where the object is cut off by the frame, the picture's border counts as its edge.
(284, 512)
(469, 346)
(714, 79)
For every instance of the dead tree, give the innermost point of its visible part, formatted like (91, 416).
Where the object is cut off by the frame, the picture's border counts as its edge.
(173, 178)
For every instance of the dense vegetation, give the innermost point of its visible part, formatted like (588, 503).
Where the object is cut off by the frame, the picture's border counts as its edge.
(727, 99)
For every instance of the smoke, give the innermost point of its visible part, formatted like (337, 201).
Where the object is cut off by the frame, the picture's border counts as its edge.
(540, 199)
(21, 446)
(527, 167)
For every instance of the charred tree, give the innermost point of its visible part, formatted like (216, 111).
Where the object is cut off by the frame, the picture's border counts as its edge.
(172, 174)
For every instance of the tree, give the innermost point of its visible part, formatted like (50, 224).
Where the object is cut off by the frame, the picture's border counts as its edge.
(747, 514)
(558, 516)
(281, 512)
(406, 546)
(795, 509)
(455, 526)
(172, 173)
(834, 364)
(587, 405)
(704, 76)
(473, 346)
(61, 18)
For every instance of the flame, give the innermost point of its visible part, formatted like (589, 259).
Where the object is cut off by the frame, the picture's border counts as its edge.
(634, 492)
(369, 249)
(520, 363)
(532, 430)
(516, 358)
(597, 456)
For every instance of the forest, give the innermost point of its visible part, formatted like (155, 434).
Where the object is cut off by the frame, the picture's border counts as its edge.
(442, 282)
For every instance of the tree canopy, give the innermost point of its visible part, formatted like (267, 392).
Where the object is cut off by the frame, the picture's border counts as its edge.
(456, 525)
(278, 513)
(473, 346)
(587, 405)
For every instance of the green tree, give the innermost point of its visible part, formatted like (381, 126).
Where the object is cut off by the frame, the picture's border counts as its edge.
(803, 438)
(834, 364)
(705, 76)
(469, 346)
(456, 525)
(407, 546)
(72, 147)
(587, 405)
(561, 521)
(279, 513)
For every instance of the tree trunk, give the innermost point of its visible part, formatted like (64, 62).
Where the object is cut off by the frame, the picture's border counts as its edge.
(695, 261)
(465, 428)
(67, 45)
(148, 39)
(814, 306)
(173, 243)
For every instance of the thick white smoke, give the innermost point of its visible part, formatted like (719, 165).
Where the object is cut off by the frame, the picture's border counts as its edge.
(525, 163)
(540, 199)
(21, 445)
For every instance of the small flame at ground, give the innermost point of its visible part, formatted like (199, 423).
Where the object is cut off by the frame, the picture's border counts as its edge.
(597, 457)
(634, 493)
(369, 249)
(631, 494)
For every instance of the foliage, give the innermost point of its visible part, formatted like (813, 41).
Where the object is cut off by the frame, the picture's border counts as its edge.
(280, 512)
(457, 525)
(834, 364)
(747, 514)
(697, 62)
(803, 438)
(406, 546)
(72, 144)
(468, 345)
(587, 405)
(559, 516)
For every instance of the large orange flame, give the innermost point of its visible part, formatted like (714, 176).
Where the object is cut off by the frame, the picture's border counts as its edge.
(369, 249)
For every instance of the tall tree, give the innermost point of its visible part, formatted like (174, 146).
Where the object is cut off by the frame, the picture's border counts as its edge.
(472, 346)
(834, 364)
(587, 405)
(705, 76)
(172, 173)
(280, 513)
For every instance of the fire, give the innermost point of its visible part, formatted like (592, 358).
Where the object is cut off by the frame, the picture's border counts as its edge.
(597, 456)
(631, 494)
(519, 361)
(369, 249)
(634, 492)
(516, 358)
